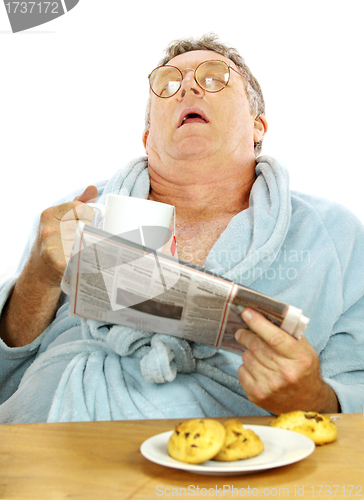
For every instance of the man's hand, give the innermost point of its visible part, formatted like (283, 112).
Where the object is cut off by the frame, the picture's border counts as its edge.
(56, 233)
(34, 300)
(280, 373)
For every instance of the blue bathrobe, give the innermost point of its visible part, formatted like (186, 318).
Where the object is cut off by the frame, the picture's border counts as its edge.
(299, 249)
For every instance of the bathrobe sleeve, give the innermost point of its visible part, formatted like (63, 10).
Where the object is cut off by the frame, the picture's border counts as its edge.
(15, 361)
(342, 359)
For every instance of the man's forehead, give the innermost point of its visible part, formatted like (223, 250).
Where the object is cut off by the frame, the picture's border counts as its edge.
(193, 58)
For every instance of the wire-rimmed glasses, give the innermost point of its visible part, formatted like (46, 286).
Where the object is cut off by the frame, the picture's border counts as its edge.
(211, 76)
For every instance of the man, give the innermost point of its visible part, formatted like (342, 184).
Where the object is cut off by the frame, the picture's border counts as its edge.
(236, 216)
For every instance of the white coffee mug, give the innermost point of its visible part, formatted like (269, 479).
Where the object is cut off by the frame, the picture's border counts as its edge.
(130, 218)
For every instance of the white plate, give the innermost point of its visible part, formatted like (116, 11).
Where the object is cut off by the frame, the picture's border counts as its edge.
(281, 447)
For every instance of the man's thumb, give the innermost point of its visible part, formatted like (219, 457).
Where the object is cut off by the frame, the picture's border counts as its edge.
(89, 194)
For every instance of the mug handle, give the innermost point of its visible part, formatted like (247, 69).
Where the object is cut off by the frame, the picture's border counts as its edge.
(99, 207)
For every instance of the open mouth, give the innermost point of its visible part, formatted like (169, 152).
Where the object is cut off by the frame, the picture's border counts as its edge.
(193, 118)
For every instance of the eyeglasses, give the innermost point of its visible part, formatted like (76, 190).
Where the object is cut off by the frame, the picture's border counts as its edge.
(211, 76)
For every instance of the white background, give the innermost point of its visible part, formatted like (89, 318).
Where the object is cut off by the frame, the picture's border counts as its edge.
(73, 94)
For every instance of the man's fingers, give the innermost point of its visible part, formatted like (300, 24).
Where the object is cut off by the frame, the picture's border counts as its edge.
(68, 229)
(246, 379)
(259, 350)
(254, 382)
(77, 209)
(89, 195)
(275, 337)
(56, 233)
(84, 213)
(74, 211)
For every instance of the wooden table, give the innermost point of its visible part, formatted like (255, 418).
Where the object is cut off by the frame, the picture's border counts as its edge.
(101, 460)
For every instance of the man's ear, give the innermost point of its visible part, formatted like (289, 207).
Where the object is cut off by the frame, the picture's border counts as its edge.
(145, 140)
(260, 128)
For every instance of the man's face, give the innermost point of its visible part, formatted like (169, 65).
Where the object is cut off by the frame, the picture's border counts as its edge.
(226, 127)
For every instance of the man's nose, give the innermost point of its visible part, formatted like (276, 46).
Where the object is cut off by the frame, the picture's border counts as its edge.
(189, 83)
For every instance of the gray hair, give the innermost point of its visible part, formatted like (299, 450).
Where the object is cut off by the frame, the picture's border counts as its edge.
(211, 42)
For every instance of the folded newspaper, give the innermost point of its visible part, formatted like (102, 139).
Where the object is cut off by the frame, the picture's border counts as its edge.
(112, 279)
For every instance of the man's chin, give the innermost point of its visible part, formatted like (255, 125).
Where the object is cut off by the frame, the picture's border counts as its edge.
(193, 149)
